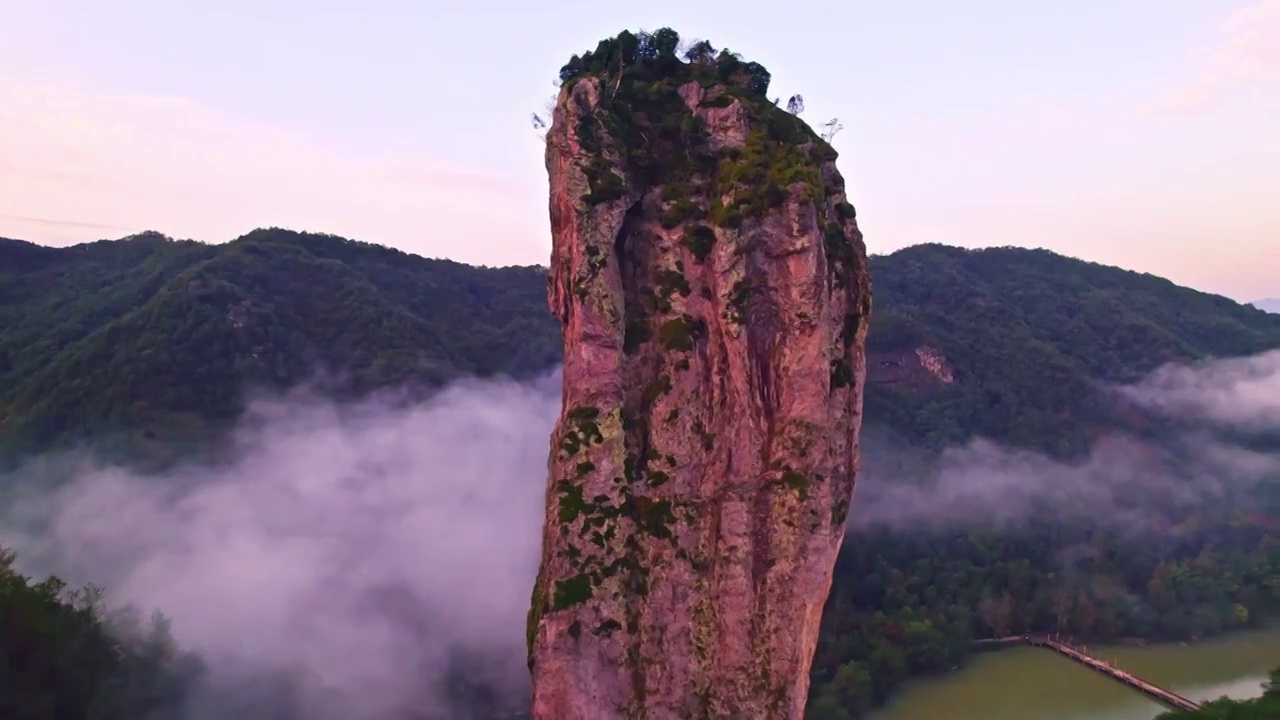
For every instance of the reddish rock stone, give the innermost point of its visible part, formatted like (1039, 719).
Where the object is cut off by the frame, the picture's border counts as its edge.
(704, 460)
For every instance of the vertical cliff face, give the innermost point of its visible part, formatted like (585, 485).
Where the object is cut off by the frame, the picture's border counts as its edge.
(712, 284)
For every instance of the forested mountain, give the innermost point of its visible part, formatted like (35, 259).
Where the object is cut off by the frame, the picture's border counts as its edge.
(1029, 333)
(151, 344)
(152, 340)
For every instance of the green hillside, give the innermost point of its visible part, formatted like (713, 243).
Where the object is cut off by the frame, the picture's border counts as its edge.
(1030, 333)
(152, 342)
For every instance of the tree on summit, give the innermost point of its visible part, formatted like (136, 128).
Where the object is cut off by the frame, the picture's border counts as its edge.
(701, 53)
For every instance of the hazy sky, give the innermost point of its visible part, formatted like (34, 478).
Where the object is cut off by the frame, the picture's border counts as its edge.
(1139, 133)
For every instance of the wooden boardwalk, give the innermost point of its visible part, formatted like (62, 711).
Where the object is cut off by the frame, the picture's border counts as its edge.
(1155, 692)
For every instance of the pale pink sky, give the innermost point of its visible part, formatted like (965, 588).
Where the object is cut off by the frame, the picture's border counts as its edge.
(1143, 135)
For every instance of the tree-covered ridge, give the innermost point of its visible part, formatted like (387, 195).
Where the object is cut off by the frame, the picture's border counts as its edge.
(659, 54)
(158, 340)
(163, 337)
(1034, 337)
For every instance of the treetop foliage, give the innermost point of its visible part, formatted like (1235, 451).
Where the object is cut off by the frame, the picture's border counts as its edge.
(63, 654)
(152, 344)
(658, 54)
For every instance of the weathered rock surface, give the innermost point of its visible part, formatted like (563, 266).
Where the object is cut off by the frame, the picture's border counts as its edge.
(918, 368)
(712, 285)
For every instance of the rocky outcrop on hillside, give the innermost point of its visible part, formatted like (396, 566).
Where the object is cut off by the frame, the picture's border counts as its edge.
(917, 368)
(712, 284)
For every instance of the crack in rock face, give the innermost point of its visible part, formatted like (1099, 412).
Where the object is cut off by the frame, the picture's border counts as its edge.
(712, 284)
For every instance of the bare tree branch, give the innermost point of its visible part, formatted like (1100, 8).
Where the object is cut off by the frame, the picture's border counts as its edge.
(542, 121)
(831, 127)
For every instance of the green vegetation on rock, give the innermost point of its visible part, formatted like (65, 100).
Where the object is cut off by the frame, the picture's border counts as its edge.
(656, 140)
(781, 152)
(677, 333)
(700, 239)
(572, 591)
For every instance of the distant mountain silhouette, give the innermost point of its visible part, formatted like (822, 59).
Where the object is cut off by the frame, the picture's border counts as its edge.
(1271, 305)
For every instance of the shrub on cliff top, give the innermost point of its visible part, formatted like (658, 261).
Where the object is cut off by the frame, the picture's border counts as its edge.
(662, 143)
(657, 54)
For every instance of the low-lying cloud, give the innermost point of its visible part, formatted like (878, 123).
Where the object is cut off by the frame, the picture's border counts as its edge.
(1130, 483)
(362, 550)
(1124, 483)
(1236, 392)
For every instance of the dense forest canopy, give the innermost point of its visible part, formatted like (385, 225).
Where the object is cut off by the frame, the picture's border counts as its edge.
(150, 347)
(151, 342)
(1031, 334)
(658, 53)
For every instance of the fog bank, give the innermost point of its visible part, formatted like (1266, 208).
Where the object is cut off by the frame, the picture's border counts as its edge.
(357, 548)
(1127, 482)
(364, 551)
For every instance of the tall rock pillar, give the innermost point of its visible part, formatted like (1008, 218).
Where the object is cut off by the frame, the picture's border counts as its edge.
(712, 284)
